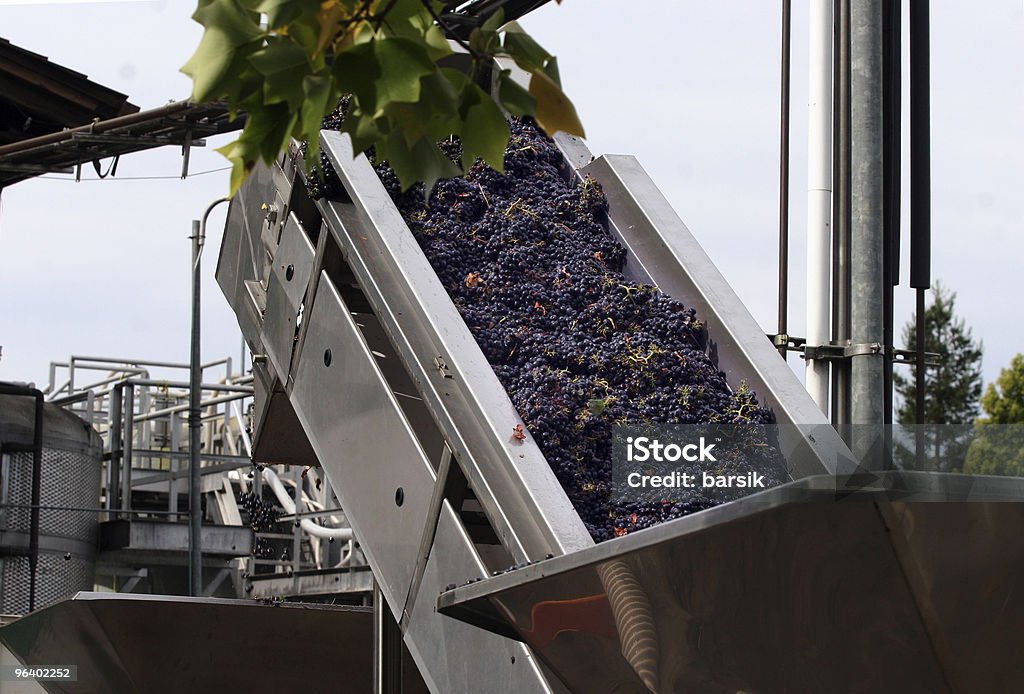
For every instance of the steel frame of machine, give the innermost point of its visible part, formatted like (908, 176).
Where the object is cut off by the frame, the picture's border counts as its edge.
(367, 358)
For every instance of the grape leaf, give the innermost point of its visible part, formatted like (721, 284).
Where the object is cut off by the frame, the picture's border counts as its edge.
(229, 26)
(284, 65)
(282, 12)
(485, 133)
(421, 162)
(382, 71)
(517, 100)
(527, 53)
(554, 110)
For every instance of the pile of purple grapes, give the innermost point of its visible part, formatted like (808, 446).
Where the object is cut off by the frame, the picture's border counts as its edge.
(578, 347)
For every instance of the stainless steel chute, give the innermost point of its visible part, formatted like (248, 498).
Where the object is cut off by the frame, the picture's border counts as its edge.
(359, 348)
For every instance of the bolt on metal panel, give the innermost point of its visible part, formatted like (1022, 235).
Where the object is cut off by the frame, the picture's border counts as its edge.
(289, 275)
(370, 454)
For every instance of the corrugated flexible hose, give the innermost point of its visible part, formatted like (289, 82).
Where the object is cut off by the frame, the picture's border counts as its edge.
(633, 619)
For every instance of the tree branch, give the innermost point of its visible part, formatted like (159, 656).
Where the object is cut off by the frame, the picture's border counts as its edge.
(448, 30)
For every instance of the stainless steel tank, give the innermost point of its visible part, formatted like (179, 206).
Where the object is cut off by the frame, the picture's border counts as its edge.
(69, 489)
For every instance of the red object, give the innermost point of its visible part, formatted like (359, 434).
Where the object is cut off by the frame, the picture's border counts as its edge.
(589, 615)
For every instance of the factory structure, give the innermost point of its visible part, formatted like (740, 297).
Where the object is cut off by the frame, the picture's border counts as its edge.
(353, 505)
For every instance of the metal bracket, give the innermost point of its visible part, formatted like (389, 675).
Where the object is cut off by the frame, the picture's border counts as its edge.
(909, 357)
(442, 367)
(842, 351)
(846, 350)
(790, 342)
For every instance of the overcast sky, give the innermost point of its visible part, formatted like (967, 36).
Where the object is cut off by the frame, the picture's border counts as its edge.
(690, 88)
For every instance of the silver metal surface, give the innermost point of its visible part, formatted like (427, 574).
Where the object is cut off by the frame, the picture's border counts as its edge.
(454, 656)
(798, 588)
(289, 275)
(242, 256)
(195, 379)
(141, 643)
(162, 542)
(69, 487)
(663, 252)
(375, 464)
(324, 583)
(868, 283)
(516, 487)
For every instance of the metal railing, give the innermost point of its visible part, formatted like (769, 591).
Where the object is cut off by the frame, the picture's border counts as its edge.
(140, 409)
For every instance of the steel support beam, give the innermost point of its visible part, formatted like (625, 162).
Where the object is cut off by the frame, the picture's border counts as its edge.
(868, 281)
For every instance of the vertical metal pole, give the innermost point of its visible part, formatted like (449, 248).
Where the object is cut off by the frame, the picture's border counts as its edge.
(920, 193)
(195, 528)
(126, 458)
(867, 277)
(37, 470)
(919, 382)
(297, 529)
(172, 488)
(387, 647)
(819, 193)
(114, 443)
(784, 178)
(841, 219)
(892, 110)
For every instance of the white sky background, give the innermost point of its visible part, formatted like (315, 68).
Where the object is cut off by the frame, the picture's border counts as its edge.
(102, 268)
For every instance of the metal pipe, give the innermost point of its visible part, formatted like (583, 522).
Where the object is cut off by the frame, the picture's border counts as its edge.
(891, 157)
(867, 276)
(98, 126)
(80, 396)
(920, 196)
(919, 382)
(37, 469)
(82, 362)
(53, 377)
(114, 444)
(296, 533)
(784, 178)
(284, 498)
(920, 147)
(819, 194)
(172, 488)
(841, 219)
(195, 556)
(156, 414)
(126, 449)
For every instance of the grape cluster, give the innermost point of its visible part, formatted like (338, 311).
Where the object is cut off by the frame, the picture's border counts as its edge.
(579, 347)
(322, 181)
(262, 517)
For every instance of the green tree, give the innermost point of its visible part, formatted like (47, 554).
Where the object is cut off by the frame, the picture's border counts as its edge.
(286, 63)
(998, 447)
(952, 388)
